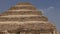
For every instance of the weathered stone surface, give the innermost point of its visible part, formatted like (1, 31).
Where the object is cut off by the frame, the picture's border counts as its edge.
(25, 19)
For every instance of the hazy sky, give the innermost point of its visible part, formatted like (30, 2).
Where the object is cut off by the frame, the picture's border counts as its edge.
(51, 8)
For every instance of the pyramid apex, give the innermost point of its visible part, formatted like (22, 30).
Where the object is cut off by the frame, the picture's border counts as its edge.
(23, 3)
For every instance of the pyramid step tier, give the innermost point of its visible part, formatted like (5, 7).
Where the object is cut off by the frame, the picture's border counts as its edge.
(33, 18)
(32, 26)
(22, 13)
(23, 3)
(22, 7)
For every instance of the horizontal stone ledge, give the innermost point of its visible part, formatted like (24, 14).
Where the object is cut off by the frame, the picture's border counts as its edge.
(21, 5)
(9, 16)
(23, 10)
(17, 22)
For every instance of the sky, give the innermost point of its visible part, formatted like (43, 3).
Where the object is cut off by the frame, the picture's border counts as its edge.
(50, 8)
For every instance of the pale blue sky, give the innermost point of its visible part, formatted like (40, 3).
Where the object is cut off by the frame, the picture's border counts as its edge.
(51, 8)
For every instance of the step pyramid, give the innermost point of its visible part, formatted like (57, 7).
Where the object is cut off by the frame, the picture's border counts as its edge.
(24, 17)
